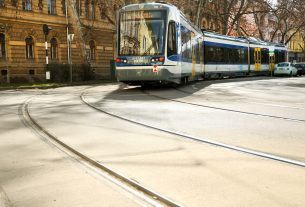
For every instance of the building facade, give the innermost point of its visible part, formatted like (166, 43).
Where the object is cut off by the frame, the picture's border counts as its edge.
(22, 41)
(296, 48)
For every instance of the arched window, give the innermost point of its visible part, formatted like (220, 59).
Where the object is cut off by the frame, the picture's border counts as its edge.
(92, 49)
(2, 46)
(54, 49)
(52, 7)
(29, 47)
(90, 7)
(204, 24)
(27, 5)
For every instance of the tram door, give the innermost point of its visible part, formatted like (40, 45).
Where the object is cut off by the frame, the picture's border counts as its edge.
(272, 62)
(257, 59)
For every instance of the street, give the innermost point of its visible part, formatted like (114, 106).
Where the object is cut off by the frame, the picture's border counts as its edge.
(189, 143)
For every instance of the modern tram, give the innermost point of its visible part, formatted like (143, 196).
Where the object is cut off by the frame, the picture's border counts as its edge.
(158, 44)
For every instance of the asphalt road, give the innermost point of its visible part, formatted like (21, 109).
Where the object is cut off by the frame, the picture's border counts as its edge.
(262, 114)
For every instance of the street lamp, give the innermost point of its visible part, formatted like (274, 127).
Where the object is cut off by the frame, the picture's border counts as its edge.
(70, 39)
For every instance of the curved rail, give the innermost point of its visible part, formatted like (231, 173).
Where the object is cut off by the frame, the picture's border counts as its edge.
(140, 191)
(200, 139)
(223, 109)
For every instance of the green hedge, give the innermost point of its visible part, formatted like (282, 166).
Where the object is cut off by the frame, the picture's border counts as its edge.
(61, 72)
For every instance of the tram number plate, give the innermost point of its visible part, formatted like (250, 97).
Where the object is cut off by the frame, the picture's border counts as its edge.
(139, 60)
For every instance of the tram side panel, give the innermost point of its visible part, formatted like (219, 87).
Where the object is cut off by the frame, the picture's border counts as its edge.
(225, 58)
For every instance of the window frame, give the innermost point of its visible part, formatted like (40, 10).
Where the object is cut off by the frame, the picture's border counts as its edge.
(92, 53)
(2, 47)
(27, 5)
(52, 7)
(29, 47)
(172, 43)
(54, 49)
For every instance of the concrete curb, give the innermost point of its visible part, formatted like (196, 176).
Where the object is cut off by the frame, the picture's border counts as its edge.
(55, 85)
(4, 201)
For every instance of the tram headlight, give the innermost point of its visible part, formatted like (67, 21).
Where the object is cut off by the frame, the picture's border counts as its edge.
(121, 60)
(157, 59)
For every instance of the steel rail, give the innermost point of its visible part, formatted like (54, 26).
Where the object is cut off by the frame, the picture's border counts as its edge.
(144, 193)
(200, 139)
(224, 109)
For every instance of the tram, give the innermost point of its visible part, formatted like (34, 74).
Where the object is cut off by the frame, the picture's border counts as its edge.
(158, 44)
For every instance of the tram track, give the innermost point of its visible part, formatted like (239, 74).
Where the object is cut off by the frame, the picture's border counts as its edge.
(199, 139)
(149, 196)
(222, 109)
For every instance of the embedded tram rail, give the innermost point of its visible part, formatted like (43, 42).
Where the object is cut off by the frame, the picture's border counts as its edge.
(203, 140)
(148, 196)
(187, 171)
(220, 108)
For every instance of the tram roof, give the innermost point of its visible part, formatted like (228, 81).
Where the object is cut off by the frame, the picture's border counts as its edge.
(149, 5)
(251, 40)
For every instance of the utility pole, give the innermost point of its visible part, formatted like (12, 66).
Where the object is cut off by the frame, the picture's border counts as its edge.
(46, 30)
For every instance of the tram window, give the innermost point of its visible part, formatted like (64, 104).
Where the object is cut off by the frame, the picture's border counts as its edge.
(265, 56)
(210, 54)
(246, 60)
(243, 55)
(251, 55)
(186, 44)
(189, 46)
(279, 56)
(230, 55)
(220, 55)
(171, 40)
(233, 56)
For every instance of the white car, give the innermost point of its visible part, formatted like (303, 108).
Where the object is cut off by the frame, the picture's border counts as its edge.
(285, 68)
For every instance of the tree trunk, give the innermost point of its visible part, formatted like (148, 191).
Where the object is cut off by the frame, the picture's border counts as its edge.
(200, 3)
(77, 28)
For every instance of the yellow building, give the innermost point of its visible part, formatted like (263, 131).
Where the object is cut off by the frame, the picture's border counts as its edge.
(296, 48)
(22, 41)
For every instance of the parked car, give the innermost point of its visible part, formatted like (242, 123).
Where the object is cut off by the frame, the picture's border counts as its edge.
(301, 68)
(285, 68)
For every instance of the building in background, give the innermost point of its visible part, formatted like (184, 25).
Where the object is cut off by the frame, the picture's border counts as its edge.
(22, 47)
(296, 48)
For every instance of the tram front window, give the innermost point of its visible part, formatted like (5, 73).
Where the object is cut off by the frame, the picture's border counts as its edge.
(142, 33)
